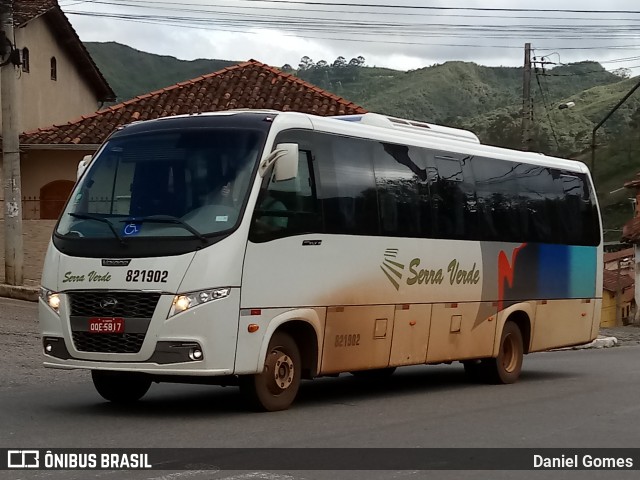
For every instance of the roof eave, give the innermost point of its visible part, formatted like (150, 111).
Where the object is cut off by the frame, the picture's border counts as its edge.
(60, 146)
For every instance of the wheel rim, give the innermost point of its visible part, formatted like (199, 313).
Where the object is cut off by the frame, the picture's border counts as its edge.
(281, 372)
(509, 353)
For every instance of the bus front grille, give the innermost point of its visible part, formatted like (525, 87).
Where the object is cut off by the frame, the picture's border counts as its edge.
(108, 343)
(134, 308)
(100, 303)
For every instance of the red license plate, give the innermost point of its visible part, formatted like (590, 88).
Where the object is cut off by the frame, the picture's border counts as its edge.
(106, 325)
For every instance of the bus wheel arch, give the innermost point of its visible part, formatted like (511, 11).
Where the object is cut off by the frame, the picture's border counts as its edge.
(306, 338)
(522, 320)
(506, 366)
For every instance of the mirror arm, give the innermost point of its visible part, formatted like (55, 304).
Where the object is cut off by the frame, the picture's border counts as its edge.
(270, 160)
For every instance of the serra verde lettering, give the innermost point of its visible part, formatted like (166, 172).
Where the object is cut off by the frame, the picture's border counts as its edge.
(454, 274)
(92, 276)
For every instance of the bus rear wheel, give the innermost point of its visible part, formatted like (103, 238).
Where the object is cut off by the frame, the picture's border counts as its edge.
(277, 386)
(506, 367)
(120, 387)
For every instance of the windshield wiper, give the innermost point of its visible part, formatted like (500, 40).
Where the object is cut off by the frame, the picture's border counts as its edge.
(97, 218)
(170, 220)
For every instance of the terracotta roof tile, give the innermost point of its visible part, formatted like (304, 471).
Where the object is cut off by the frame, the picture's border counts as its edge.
(26, 10)
(247, 85)
(633, 183)
(612, 256)
(631, 231)
(610, 281)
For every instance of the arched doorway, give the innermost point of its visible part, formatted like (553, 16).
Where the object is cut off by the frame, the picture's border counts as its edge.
(53, 196)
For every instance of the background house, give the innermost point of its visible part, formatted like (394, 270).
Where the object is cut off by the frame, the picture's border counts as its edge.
(616, 285)
(52, 154)
(57, 81)
(623, 260)
(631, 234)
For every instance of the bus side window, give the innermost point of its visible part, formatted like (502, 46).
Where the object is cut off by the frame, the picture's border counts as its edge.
(346, 185)
(288, 207)
(453, 198)
(497, 193)
(399, 171)
(573, 210)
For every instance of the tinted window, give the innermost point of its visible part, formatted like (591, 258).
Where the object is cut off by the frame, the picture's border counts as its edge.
(364, 187)
(199, 177)
(403, 195)
(453, 198)
(346, 185)
(288, 207)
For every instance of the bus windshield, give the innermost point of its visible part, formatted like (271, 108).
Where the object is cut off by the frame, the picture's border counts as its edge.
(164, 184)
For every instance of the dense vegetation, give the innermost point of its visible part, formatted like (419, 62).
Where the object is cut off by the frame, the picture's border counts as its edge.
(487, 100)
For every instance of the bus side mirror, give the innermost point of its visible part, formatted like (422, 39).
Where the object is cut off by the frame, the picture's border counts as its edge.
(82, 166)
(285, 157)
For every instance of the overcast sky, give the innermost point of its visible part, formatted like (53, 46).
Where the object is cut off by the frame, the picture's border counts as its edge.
(280, 32)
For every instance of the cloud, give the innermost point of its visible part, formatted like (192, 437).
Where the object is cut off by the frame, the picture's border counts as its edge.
(279, 34)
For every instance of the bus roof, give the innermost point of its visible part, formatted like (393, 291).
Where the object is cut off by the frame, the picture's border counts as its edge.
(393, 130)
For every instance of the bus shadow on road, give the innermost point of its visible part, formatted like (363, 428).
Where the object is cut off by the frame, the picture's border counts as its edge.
(171, 400)
(408, 381)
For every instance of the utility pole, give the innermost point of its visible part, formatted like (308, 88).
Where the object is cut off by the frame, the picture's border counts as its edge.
(13, 249)
(526, 99)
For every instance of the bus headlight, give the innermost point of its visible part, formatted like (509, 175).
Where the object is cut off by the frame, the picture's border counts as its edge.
(50, 298)
(188, 300)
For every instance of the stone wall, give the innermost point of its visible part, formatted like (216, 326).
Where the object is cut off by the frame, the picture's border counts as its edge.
(36, 235)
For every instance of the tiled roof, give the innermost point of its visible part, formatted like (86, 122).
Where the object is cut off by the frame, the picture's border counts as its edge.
(610, 281)
(631, 231)
(25, 11)
(613, 256)
(247, 85)
(635, 183)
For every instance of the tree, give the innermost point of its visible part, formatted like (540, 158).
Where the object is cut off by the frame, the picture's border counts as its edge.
(287, 68)
(305, 63)
(622, 72)
(356, 62)
(339, 62)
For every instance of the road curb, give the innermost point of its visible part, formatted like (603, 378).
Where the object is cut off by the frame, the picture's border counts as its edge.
(600, 342)
(19, 292)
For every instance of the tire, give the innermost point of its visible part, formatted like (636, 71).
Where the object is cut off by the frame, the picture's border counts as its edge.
(507, 366)
(277, 386)
(120, 387)
(374, 374)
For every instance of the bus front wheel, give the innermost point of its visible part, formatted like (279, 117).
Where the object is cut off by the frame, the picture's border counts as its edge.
(508, 364)
(120, 387)
(277, 386)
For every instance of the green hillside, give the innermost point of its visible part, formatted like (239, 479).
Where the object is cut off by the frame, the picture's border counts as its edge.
(131, 72)
(486, 100)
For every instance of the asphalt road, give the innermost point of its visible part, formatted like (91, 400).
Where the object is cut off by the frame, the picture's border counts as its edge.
(567, 399)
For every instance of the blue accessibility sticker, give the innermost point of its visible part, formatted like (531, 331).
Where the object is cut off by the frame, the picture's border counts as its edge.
(131, 229)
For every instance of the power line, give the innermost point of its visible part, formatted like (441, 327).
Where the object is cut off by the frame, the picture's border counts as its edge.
(424, 7)
(546, 109)
(362, 28)
(181, 6)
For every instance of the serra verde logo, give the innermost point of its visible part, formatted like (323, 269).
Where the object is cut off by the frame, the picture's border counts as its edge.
(455, 275)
